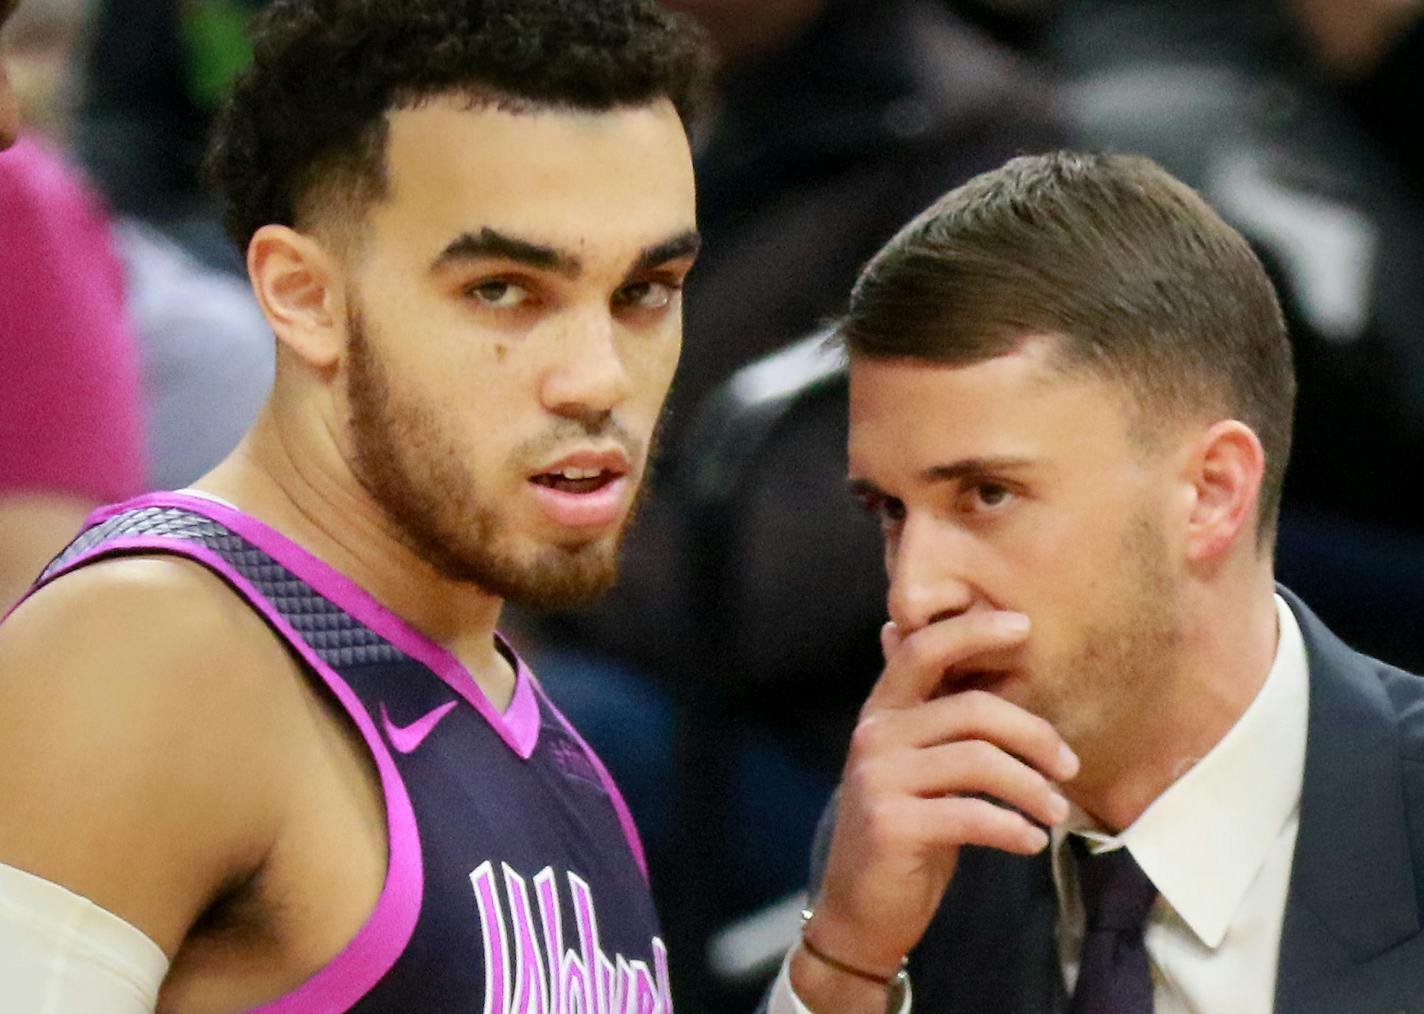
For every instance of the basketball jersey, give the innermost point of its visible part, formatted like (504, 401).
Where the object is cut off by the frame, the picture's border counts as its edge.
(516, 882)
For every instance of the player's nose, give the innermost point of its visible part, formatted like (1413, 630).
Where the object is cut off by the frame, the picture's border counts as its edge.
(588, 376)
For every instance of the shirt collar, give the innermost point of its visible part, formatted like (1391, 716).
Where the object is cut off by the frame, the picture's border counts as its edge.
(1203, 841)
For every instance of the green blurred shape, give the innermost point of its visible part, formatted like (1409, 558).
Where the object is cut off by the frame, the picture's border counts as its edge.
(218, 48)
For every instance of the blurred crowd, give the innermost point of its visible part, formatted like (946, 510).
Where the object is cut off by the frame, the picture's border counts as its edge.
(722, 677)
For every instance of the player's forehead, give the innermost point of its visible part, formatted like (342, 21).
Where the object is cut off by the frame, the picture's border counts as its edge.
(590, 182)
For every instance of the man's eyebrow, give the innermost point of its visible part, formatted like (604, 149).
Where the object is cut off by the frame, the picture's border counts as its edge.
(491, 243)
(681, 246)
(863, 489)
(972, 467)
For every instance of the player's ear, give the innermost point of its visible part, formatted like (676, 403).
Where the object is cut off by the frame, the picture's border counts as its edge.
(298, 284)
(1223, 471)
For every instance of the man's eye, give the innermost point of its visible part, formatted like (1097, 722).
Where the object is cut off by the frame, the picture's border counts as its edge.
(499, 294)
(988, 496)
(645, 295)
(885, 509)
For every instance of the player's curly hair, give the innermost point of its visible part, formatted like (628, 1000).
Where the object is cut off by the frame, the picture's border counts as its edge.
(305, 125)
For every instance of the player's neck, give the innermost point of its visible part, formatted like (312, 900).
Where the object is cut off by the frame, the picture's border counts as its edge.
(1228, 648)
(300, 486)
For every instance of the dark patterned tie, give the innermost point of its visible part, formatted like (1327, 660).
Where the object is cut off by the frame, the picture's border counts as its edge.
(1113, 974)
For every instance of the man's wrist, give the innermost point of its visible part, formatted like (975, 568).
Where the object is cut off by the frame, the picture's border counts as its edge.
(849, 965)
(825, 989)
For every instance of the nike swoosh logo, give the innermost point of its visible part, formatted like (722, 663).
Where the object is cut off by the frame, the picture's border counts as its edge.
(407, 738)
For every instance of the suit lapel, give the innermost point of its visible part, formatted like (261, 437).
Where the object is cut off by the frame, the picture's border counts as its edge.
(1352, 895)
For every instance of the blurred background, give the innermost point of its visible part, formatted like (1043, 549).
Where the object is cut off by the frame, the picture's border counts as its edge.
(721, 679)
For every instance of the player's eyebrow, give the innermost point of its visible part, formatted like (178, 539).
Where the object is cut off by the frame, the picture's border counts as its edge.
(491, 243)
(679, 247)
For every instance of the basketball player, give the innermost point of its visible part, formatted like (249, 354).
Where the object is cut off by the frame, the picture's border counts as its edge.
(260, 745)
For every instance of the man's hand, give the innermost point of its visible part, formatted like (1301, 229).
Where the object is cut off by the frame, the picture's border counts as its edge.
(913, 792)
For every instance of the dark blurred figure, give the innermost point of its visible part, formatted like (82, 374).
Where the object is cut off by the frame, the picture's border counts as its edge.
(154, 74)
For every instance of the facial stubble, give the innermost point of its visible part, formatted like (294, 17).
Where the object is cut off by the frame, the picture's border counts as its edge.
(1108, 686)
(409, 466)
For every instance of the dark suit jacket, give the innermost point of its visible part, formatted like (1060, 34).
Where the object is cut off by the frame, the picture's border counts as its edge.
(1351, 942)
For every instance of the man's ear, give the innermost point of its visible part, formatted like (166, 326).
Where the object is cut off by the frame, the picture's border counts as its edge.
(1224, 471)
(299, 285)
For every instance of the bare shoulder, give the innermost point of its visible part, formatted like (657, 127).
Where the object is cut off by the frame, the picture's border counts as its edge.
(141, 703)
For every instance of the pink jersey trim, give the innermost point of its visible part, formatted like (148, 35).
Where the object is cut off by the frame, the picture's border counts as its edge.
(620, 806)
(379, 943)
(518, 726)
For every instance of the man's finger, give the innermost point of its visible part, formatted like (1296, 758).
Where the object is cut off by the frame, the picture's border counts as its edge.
(978, 714)
(966, 820)
(917, 666)
(976, 767)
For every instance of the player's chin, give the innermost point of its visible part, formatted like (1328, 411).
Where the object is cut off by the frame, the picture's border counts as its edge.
(565, 580)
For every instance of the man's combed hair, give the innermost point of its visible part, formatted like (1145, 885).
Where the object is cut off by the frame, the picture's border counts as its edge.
(305, 126)
(1128, 267)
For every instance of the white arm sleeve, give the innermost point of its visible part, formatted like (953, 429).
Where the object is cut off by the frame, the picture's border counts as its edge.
(785, 1001)
(62, 954)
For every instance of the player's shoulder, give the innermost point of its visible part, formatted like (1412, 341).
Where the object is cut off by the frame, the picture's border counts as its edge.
(157, 639)
(140, 706)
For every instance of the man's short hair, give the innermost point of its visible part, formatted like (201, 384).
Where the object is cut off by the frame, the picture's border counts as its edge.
(1138, 279)
(304, 132)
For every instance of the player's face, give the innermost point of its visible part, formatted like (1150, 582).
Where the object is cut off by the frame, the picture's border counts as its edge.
(9, 105)
(516, 320)
(1010, 485)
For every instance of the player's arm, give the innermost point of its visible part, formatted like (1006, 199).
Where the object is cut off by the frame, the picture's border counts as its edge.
(926, 775)
(135, 767)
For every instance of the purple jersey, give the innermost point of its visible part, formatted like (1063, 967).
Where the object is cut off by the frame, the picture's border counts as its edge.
(516, 882)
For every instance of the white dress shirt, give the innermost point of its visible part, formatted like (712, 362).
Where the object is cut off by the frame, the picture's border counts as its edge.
(1217, 845)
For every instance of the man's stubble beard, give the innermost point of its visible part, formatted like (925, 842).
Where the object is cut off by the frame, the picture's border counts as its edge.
(1110, 686)
(405, 463)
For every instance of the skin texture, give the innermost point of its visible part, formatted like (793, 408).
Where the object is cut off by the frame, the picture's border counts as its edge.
(1073, 613)
(127, 690)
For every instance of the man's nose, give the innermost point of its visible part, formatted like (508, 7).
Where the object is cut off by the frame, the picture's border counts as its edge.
(588, 377)
(928, 579)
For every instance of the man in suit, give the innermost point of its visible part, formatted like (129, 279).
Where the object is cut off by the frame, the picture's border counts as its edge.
(1110, 766)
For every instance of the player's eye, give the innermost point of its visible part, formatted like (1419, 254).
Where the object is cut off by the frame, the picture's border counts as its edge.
(645, 295)
(499, 294)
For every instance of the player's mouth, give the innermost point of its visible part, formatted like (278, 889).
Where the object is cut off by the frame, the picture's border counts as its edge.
(586, 489)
